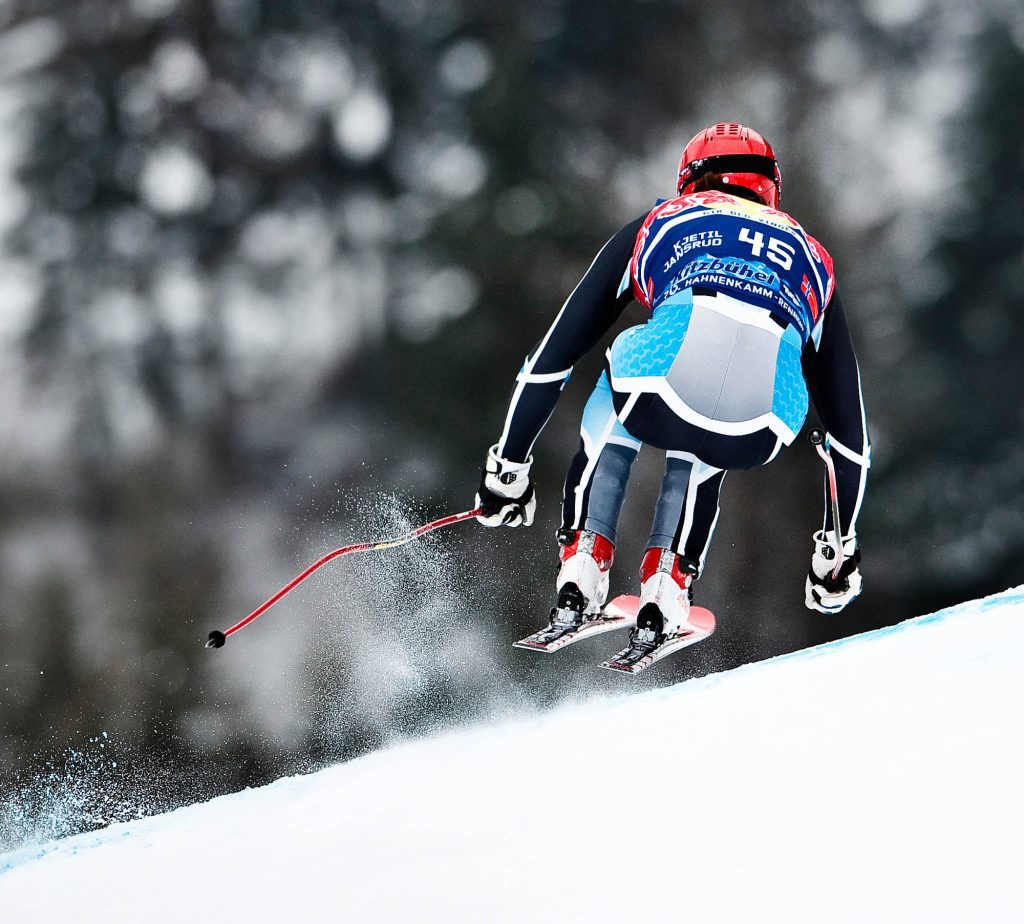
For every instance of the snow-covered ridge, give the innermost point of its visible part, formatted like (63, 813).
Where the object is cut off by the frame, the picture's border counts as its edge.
(873, 779)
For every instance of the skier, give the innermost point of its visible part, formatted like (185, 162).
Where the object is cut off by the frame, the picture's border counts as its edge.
(746, 323)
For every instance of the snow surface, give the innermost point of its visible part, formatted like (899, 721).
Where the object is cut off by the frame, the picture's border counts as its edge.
(876, 779)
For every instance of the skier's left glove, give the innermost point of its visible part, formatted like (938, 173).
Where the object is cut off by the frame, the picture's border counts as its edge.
(506, 493)
(823, 592)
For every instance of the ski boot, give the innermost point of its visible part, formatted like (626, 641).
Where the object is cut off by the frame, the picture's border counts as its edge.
(582, 583)
(586, 559)
(666, 621)
(666, 592)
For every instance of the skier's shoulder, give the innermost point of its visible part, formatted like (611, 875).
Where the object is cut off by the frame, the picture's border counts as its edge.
(820, 260)
(817, 249)
(667, 209)
(693, 202)
(819, 254)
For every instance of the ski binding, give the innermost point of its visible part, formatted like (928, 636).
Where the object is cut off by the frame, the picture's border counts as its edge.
(620, 613)
(638, 657)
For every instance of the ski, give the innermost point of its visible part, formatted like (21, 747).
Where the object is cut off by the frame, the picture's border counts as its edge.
(619, 614)
(636, 658)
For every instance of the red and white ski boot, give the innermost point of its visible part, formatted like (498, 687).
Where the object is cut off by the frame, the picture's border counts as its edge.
(666, 592)
(666, 620)
(582, 583)
(586, 558)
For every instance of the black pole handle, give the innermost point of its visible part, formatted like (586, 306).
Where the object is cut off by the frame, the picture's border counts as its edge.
(817, 437)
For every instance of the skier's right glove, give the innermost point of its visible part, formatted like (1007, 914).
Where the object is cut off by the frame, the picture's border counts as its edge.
(506, 494)
(823, 592)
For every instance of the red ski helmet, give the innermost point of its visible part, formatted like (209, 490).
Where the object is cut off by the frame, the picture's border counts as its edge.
(739, 154)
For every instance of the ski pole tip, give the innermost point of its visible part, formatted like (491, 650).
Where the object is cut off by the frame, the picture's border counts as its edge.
(216, 639)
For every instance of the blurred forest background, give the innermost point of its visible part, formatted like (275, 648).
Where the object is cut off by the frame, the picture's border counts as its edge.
(268, 269)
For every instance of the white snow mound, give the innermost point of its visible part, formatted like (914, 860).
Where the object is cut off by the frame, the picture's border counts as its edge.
(874, 779)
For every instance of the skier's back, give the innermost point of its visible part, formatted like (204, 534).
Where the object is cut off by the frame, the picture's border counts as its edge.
(735, 289)
(746, 324)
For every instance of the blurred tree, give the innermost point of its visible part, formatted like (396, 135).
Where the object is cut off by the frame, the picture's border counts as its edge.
(274, 256)
(951, 506)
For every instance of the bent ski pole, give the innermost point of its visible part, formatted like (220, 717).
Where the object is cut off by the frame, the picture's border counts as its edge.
(217, 638)
(817, 438)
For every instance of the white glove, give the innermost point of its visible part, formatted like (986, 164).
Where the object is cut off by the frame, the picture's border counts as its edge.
(823, 592)
(506, 494)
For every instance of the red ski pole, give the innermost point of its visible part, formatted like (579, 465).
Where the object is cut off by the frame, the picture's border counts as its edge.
(217, 638)
(817, 438)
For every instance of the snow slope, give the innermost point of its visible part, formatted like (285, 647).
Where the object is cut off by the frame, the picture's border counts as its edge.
(875, 779)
